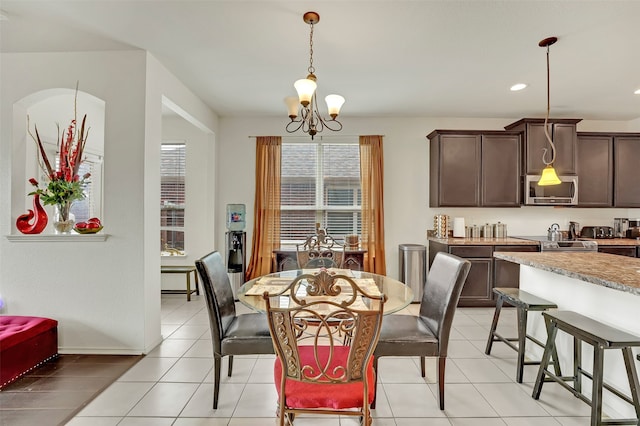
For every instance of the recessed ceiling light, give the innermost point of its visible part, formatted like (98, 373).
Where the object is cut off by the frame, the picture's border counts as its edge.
(637, 92)
(517, 87)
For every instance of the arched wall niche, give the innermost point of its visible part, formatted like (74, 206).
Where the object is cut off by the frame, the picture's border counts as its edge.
(51, 111)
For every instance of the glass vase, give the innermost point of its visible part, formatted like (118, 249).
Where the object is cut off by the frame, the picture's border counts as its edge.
(63, 219)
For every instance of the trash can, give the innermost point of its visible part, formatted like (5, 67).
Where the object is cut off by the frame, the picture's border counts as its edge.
(413, 267)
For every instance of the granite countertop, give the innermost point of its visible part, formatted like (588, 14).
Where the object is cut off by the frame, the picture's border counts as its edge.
(615, 241)
(608, 270)
(484, 241)
(522, 242)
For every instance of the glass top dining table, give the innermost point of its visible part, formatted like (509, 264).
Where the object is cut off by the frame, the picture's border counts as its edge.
(398, 294)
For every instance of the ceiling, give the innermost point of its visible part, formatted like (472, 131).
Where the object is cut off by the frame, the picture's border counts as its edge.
(395, 58)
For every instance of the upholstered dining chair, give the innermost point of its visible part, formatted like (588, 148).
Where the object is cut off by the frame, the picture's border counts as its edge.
(316, 370)
(427, 335)
(231, 334)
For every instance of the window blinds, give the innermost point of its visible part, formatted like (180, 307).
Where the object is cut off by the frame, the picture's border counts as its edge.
(320, 183)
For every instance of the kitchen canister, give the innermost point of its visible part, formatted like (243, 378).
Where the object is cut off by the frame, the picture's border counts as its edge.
(500, 230)
(475, 231)
(441, 225)
(487, 231)
(458, 227)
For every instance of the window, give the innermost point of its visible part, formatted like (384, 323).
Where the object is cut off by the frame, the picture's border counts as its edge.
(172, 198)
(320, 183)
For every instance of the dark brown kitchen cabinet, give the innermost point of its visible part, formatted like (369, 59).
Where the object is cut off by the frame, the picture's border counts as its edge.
(486, 272)
(505, 273)
(454, 169)
(474, 169)
(500, 179)
(626, 190)
(478, 287)
(629, 251)
(595, 170)
(563, 134)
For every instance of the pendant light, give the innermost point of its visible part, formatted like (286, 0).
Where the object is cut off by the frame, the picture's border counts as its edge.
(549, 175)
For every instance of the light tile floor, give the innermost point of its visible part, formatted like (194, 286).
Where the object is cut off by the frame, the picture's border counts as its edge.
(173, 385)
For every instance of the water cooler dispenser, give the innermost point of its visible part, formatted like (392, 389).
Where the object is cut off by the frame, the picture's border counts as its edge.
(236, 240)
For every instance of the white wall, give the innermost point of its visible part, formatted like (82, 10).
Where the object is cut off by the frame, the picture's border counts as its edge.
(406, 157)
(105, 294)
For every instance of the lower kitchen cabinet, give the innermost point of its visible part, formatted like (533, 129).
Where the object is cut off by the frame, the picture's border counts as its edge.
(485, 273)
(477, 290)
(630, 251)
(507, 274)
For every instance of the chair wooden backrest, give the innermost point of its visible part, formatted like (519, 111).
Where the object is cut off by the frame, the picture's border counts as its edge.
(325, 336)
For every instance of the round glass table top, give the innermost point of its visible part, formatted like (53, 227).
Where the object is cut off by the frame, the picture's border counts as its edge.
(398, 294)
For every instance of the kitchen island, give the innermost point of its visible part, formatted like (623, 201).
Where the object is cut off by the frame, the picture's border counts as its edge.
(602, 286)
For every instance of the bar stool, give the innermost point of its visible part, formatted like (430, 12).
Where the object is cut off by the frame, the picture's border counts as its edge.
(601, 337)
(524, 302)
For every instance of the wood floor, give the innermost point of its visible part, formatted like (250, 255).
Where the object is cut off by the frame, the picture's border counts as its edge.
(53, 393)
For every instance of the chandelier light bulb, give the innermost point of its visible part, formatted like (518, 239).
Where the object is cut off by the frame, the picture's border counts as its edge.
(334, 103)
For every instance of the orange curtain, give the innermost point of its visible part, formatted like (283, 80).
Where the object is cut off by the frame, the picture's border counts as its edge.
(266, 221)
(371, 181)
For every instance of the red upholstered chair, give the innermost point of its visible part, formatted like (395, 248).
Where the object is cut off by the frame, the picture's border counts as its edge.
(324, 339)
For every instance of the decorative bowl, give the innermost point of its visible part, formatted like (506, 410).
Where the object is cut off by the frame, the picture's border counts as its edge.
(88, 230)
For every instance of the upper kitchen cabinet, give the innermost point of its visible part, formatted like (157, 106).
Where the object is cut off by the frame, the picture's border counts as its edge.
(563, 133)
(474, 169)
(626, 157)
(454, 169)
(501, 185)
(595, 170)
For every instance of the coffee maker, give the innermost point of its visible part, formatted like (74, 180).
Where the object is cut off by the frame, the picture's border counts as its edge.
(626, 228)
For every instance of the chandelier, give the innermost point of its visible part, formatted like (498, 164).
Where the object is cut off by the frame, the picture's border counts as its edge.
(305, 105)
(549, 175)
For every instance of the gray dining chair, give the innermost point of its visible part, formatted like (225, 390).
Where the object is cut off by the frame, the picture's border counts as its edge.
(427, 335)
(231, 334)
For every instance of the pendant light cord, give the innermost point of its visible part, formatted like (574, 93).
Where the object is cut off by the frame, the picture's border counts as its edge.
(546, 120)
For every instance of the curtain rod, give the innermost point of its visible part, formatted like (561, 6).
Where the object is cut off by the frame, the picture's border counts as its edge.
(321, 137)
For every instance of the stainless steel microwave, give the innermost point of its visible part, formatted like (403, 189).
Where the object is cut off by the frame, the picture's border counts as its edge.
(564, 194)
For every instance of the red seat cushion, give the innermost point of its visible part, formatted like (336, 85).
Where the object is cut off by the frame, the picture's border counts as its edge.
(319, 395)
(17, 329)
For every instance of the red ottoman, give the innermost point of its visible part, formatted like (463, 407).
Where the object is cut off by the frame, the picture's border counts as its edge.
(25, 343)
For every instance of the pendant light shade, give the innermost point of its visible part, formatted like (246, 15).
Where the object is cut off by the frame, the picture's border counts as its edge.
(305, 88)
(334, 103)
(549, 177)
